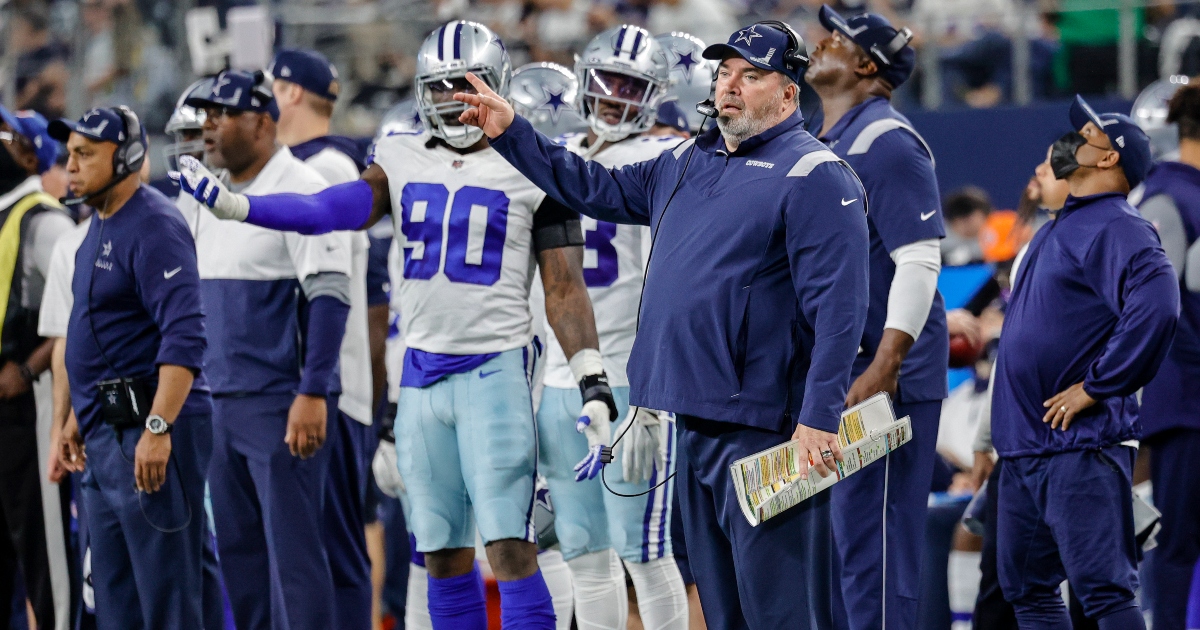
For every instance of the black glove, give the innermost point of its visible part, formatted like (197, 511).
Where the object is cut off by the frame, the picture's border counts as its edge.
(595, 387)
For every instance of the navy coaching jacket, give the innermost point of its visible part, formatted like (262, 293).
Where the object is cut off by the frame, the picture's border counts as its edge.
(756, 289)
(1095, 301)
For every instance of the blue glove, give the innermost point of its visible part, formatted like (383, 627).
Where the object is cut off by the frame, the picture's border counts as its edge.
(595, 424)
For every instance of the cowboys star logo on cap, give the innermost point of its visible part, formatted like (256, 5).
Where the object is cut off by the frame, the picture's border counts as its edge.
(747, 35)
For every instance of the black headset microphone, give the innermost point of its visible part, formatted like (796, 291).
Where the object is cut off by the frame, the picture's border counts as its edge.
(127, 159)
(795, 58)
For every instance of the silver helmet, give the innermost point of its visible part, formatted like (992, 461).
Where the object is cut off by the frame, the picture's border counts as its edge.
(184, 126)
(443, 62)
(545, 94)
(691, 73)
(1150, 113)
(622, 69)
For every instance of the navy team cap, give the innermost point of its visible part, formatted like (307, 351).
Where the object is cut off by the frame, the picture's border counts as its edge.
(102, 124)
(671, 115)
(760, 44)
(307, 68)
(33, 126)
(1127, 138)
(886, 46)
(239, 90)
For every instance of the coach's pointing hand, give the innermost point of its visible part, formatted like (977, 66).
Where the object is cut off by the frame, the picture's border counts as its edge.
(488, 110)
(822, 449)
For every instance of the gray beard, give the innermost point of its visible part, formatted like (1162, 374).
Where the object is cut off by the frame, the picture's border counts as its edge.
(749, 123)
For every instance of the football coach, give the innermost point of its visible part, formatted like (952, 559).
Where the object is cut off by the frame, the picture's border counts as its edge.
(752, 313)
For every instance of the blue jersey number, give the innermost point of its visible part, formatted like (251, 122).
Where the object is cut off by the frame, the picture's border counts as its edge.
(475, 239)
(598, 237)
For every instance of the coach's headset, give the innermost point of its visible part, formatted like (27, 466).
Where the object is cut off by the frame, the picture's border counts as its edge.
(795, 59)
(127, 159)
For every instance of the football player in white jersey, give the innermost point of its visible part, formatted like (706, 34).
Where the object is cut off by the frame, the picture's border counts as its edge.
(474, 231)
(276, 307)
(306, 86)
(623, 78)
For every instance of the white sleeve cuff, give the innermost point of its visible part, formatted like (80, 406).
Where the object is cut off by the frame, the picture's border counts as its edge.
(913, 286)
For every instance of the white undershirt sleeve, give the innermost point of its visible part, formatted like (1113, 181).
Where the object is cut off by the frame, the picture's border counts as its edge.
(913, 286)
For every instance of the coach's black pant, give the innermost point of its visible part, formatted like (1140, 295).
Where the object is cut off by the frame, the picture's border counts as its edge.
(21, 510)
(1175, 470)
(776, 575)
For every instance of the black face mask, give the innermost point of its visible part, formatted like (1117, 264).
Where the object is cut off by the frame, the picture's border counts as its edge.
(1062, 154)
(11, 173)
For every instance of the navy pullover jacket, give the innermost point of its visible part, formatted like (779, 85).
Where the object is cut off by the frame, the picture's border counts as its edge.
(137, 304)
(756, 291)
(1095, 301)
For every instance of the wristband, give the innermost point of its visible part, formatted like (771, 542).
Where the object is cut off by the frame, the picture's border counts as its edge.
(586, 362)
(27, 373)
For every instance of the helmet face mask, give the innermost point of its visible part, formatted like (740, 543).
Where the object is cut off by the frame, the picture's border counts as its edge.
(185, 125)
(443, 62)
(623, 76)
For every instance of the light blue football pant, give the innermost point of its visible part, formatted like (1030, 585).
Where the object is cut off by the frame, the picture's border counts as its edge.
(467, 449)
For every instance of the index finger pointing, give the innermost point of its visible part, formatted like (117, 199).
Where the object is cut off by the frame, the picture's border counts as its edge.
(480, 85)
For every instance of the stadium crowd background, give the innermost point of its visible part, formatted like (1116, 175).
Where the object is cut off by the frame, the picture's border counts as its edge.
(1019, 57)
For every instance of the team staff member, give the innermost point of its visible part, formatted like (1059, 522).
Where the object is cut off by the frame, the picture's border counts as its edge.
(136, 317)
(1091, 317)
(306, 87)
(277, 305)
(905, 346)
(766, 241)
(30, 223)
(1170, 403)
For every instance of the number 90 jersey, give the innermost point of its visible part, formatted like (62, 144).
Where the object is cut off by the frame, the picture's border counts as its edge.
(614, 266)
(464, 224)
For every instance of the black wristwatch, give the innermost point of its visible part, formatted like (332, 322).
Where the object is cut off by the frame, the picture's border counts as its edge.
(27, 373)
(158, 425)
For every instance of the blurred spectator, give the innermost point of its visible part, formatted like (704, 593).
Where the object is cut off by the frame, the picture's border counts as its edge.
(966, 211)
(42, 72)
(1088, 63)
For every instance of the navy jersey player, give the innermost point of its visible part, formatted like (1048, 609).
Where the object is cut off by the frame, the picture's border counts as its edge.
(623, 77)
(904, 349)
(474, 231)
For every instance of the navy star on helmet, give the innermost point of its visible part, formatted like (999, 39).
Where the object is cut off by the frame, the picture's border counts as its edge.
(691, 73)
(545, 94)
(626, 67)
(443, 61)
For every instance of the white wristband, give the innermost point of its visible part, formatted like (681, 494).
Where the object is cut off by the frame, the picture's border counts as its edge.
(586, 362)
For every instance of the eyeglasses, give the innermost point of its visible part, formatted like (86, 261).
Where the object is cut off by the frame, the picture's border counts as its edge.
(215, 112)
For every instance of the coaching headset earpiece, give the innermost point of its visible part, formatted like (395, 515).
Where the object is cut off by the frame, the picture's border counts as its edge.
(130, 154)
(795, 56)
(262, 89)
(795, 59)
(903, 36)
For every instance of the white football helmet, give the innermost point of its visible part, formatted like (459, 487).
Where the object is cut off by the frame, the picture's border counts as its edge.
(443, 62)
(1150, 113)
(185, 125)
(691, 74)
(545, 94)
(623, 76)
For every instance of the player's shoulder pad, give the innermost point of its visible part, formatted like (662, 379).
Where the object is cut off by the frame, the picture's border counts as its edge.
(867, 137)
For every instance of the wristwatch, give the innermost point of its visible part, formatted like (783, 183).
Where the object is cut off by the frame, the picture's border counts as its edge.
(157, 425)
